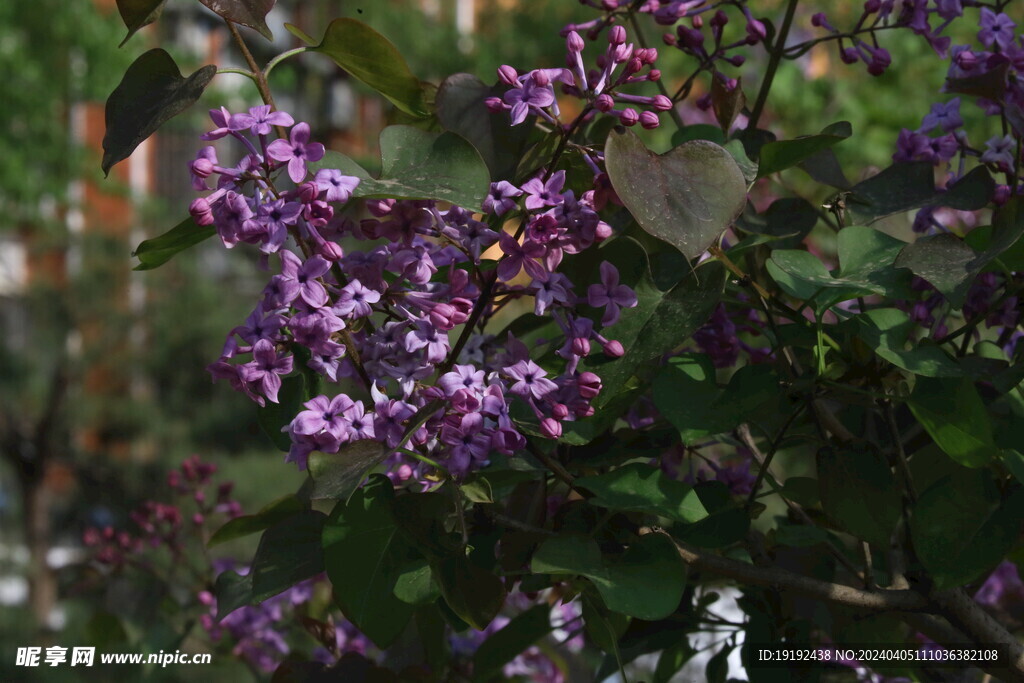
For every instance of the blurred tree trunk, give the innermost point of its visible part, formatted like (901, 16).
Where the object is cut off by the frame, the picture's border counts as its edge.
(30, 450)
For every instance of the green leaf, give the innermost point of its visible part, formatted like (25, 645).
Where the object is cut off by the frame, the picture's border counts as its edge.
(337, 475)
(274, 417)
(960, 528)
(371, 58)
(944, 261)
(418, 164)
(233, 591)
(473, 593)
(603, 627)
(661, 321)
(686, 197)
(789, 219)
(726, 103)
(645, 582)
(251, 13)
(461, 109)
(800, 535)
(289, 552)
(1014, 462)
(160, 250)
(138, 13)
(747, 166)
(685, 393)
(990, 84)
(954, 416)
(888, 330)
(272, 513)
(802, 490)
(725, 524)
(906, 186)
(850, 477)
(782, 154)
(151, 92)
(504, 645)
(865, 255)
(642, 488)
(365, 555)
(671, 661)
(415, 584)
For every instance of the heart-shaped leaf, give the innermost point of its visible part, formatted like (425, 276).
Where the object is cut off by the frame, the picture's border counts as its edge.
(417, 164)
(373, 59)
(151, 92)
(685, 197)
(138, 13)
(251, 13)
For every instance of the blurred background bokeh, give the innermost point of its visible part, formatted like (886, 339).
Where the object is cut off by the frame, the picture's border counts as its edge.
(102, 380)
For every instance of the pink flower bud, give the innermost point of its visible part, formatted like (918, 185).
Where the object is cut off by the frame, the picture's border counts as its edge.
(697, 21)
(720, 19)
(200, 211)
(589, 385)
(560, 411)
(634, 65)
(574, 43)
(1001, 195)
(603, 231)
(197, 519)
(202, 167)
(508, 75)
(581, 346)
(649, 120)
(819, 20)
(662, 103)
(668, 39)
(629, 117)
(583, 410)
(307, 192)
(616, 35)
(604, 103)
(331, 251)
(540, 77)
(849, 55)
(494, 104)
(872, 6)
(550, 428)
(613, 349)
(654, 75)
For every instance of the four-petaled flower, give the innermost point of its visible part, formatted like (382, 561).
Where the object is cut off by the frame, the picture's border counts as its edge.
(610, 294)
(297, 150)
(531, 380)
(266, 368)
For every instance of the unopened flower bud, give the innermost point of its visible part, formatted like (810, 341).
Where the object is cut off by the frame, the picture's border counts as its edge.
(202, 167)
(508, 75)
(550, 428)
(613, 349)
(200, 211)
(616, 35)
(649, 120)
(654, 75)
(669, 39)
(1001, 195)
(661, 103)
(307, 192)
(589, 385)
(581, 346)
(583, 410)
(540, 77)
(604, 103)
(574, 42)
(629, 117)
(602, 232)
(331, 251)
(197, 519)
(494, 104)
(720, 19)
(872, 6)
(560, 411)
(697, 21)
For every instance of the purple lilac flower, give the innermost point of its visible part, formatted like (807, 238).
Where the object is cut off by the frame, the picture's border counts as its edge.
(324, 415)
(610, 294)
(530, 380)
(717, 338)
(266, 369)
(540, 193)
(260, 119)
(943, 115)
(356, 301)
(338, 187)
(996, 29)
(999, 150)
(501, 198)
(300, 279)
(297, 151)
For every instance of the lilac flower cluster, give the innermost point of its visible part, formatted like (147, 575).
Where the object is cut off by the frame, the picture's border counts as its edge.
(532, 664)
(533, 93)
(164, 524)
(381, 315)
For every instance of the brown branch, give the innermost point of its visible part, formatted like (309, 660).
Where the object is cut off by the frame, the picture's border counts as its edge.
(968, 616)
(878, 601)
